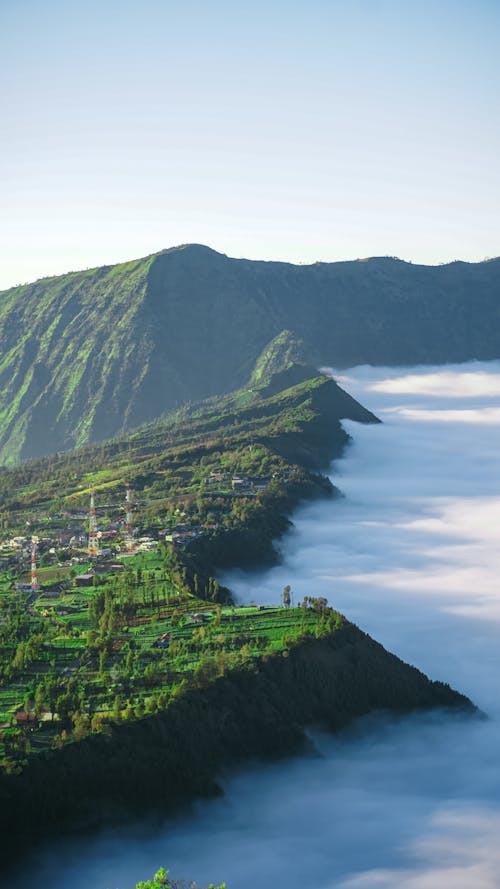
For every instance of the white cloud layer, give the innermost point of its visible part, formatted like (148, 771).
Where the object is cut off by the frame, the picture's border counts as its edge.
(443, 384)
(460, 850)
(411, 553)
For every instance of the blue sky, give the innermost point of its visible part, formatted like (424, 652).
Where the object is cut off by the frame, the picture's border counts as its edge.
(279, 130)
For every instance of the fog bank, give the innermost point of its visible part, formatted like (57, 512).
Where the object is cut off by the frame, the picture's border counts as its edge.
(410, 553)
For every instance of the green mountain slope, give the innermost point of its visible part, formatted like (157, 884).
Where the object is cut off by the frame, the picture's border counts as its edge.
(298, 420)
(93, 354)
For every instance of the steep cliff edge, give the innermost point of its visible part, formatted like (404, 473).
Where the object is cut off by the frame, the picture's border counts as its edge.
(169, 758)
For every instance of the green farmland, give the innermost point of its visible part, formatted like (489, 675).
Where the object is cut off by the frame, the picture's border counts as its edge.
(125, 648)
(119, 637)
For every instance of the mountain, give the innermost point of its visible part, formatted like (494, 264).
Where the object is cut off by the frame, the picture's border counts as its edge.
(92, 354)
(294, 415)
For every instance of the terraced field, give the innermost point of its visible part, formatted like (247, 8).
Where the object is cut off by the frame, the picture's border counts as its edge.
(125, 648)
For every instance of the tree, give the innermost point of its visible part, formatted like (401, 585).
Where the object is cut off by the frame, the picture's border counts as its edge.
(117, 707)
(39, 700)
(51, 692)
(161, 881)
(286, 597)
(65, 704)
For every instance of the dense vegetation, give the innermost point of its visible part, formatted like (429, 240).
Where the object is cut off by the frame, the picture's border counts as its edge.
(163, 759)
(138, 649)
(212, 488)
(92, 354)
(246, 431)
(161, 880)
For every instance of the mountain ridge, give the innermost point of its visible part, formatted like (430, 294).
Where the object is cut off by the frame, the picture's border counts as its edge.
(92, 354)
(195, 245)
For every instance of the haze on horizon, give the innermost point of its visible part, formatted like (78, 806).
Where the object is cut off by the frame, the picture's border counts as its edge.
(296, 132)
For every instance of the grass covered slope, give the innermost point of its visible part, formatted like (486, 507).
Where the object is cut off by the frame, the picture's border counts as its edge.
(297, 411)
(93, 354)
(73, 352)
(329, 675)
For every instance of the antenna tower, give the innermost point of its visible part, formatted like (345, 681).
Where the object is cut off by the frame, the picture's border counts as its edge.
(93, 541)
(128, 518)
(34, 578)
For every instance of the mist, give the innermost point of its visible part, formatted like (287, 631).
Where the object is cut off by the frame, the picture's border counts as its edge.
(411, 554)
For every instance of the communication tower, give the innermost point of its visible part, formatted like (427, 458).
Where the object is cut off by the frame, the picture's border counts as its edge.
(93, 539)
(34, 577)
(129, 540)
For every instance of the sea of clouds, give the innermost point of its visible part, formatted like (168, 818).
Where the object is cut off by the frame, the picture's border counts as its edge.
(411, 553)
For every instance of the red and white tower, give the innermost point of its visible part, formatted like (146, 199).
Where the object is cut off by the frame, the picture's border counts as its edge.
(129, 540)
(93, 540)
(34, 577)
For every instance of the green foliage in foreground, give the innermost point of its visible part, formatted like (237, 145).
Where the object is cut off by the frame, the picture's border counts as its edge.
(161, 881)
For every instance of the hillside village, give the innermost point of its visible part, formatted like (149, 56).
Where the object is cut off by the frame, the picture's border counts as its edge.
(64, 540)
(110, 609)
(148, 608)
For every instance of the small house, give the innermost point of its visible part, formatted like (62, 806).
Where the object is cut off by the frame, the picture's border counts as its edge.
(83, 580)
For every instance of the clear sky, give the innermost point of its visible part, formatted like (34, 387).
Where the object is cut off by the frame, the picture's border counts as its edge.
(301, 131)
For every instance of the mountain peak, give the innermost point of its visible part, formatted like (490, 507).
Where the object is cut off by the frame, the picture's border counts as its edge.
(192, 249)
